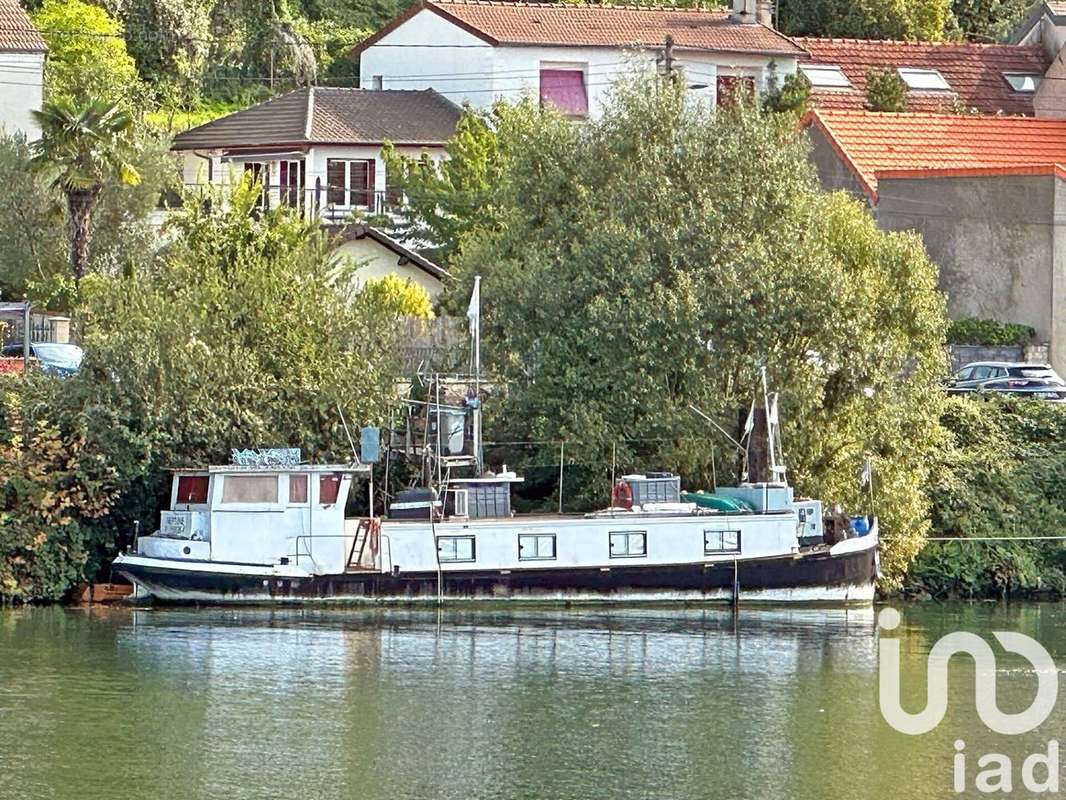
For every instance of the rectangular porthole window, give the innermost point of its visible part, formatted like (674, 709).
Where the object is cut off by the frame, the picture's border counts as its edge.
(192, 488)
(924, 79)
(715, 542)
(629, 544)
(250, 489)
(825, 76)
(455, 548)
(297, 489)
(536, 547)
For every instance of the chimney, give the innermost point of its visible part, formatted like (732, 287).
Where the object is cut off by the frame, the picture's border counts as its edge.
(744, 11)
(764, 12)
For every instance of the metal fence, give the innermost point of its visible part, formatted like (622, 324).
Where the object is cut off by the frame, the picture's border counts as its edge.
(331, 204)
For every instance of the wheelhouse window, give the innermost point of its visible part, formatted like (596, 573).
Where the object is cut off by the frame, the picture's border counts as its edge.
(715, 542)
(192, 488)
(629, 544)
(825, 76)
(536, 547)
(329, 487)
(455, 548)
(564, 88)
(297, 489)
(924, 79)
(350, 182)
(250, 489)
(1022, 82)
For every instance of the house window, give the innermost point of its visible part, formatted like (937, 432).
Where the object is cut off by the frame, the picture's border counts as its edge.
(565, 89)
(928, 80)
(350, 182)
(291, 174)
(329, 487)
(715, 542)
(1022, 82)
(824, 76)
(257, 172)
(732, 89)
(629, 544)
(536, 547)
(192, 488)
(298, 489)
(455, 548)
(250, 489)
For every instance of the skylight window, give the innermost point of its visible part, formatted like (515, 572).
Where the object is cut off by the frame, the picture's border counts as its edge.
(1022, 82)
(825, 76)
(928, 80)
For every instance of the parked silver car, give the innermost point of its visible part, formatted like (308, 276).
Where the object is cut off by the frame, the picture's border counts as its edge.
(1029, 380)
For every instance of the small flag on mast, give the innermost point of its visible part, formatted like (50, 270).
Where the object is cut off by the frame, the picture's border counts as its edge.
(867, 472)
(473, 311)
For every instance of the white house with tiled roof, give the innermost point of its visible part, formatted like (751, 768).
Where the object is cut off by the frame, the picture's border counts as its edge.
(569, 55)
(319, 148)
(22, 52)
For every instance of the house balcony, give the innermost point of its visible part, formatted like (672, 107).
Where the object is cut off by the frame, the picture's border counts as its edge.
(327, 204)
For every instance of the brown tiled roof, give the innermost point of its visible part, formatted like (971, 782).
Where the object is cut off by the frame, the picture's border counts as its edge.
(599, 26)
(881, 145)
(321, 115)
(973, 71)
(17, 33)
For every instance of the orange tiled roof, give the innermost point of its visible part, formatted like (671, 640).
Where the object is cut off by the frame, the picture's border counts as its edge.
(600, 26)
(974, 72)
(17, 33)
(879, 145)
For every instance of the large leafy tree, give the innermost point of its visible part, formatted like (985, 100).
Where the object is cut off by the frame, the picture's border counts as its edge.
(658, 257)
(924, 20)
(87, 57)
(86, 146)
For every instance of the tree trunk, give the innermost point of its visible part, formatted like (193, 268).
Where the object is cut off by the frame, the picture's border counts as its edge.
(80, 206)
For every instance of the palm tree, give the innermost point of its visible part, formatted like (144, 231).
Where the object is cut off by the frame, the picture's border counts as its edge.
(86, 145)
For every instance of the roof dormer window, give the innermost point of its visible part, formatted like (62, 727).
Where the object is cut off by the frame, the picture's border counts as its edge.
(1022, 81)
(825, 76)
(925, 80)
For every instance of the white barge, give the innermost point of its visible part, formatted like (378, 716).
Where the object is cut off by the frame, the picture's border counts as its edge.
(238, 534)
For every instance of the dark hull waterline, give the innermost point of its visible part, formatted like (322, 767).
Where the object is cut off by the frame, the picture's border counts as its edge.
(812, 577)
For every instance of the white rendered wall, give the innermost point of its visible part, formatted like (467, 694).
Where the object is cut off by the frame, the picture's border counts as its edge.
(376, 261)
(428, 52)
(21, 91)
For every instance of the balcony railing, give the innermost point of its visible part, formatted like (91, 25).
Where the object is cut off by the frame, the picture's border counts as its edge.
(318, 202)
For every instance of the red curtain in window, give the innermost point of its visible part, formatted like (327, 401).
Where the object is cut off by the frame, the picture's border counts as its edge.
(328, 488)
(564, 89)
(192, 488)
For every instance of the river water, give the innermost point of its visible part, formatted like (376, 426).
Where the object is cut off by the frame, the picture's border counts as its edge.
(612, 703)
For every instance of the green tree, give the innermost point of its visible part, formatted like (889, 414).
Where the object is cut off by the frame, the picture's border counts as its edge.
(791, 95)
(923, 20)
(655, 258)
(85, 146)
(87, 57)
(449, 198)
(885, 91)
(988, 20)
(394, 296)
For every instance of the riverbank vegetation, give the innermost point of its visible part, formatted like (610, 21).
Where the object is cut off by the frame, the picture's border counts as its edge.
(239, 331)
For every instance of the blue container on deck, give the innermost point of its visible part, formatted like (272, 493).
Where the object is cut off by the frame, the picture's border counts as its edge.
(860, 525)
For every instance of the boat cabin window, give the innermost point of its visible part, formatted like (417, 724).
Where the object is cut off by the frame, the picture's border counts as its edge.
(627, 544)
(536, 547)
(250, 489)
(455, 548)
(721, 542)
(297, 489)
(329, 487)
(192, 488)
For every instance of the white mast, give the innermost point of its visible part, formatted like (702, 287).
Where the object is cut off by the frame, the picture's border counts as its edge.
(473, 313)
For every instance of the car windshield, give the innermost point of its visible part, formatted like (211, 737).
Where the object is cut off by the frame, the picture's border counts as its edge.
(65, 353)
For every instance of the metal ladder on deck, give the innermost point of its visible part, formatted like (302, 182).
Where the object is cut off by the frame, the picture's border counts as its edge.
(364, 533)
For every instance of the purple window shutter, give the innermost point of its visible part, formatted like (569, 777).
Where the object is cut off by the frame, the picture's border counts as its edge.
(564, 89)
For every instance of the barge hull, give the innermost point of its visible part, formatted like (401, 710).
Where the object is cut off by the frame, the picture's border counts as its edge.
(811, 578)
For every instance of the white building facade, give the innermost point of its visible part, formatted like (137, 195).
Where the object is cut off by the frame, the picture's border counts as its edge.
(569, 56)
(22, 53)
